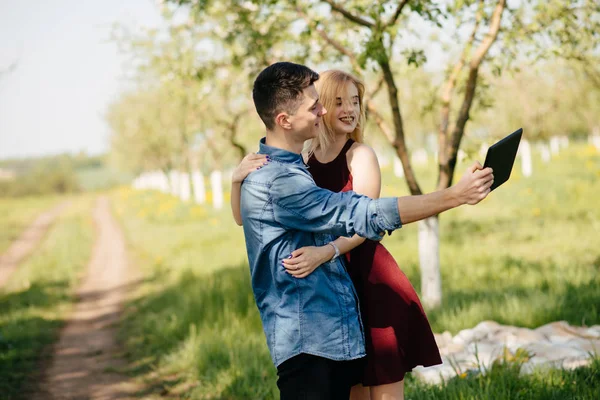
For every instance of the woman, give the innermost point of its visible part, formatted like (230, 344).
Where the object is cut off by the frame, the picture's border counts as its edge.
(399, 337)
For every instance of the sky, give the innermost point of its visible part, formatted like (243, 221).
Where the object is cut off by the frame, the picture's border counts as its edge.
(68, 72)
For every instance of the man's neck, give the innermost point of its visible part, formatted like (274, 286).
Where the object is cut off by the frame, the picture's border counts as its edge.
(284, 142)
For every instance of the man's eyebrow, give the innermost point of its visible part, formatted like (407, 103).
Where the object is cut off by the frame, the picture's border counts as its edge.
(315, 103)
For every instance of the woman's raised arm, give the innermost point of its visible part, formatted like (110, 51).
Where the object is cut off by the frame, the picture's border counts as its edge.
(250, 163)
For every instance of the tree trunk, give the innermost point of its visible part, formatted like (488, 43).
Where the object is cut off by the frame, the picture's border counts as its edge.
(429, 258)
(545, 152)
(554, 145)
(165, 185)
(399, 141)
(594, 138)
(184, 187)
(174, 182)
(199, 190)
(216, 183)
(398, 170)
(525, 152)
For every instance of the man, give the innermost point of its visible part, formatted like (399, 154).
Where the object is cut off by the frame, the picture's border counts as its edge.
(312, 325)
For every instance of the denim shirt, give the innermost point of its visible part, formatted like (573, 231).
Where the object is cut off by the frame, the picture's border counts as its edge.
(283, 210)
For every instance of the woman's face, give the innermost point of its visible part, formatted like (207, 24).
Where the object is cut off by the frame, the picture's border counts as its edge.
(344, 116)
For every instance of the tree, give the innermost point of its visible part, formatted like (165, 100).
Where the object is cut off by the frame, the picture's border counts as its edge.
(140, 137)
(364, 35)
(569, 30)
(376, 26)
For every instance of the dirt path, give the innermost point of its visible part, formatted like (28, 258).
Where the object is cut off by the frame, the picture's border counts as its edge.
(28, 241)
(85, 360)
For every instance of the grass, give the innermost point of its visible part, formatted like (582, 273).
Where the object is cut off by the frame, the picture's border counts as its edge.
(505, 382)
(527, 256)
(16, 213)
(37, 297)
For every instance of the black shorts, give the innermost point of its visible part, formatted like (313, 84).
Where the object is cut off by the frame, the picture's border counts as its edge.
(308, 377)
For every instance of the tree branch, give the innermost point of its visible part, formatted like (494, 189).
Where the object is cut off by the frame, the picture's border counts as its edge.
(376, 90)
(387, 132)
(233, 130)
(399, 141)
(396, 15)
(348, 15)
(334, 43)
(446, 98)
(463, 115)
(491, 36)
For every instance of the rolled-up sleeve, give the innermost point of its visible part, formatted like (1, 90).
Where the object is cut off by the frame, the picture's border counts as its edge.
(298, 203)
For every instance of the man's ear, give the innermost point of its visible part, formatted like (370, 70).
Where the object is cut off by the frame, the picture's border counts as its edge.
(283, 120)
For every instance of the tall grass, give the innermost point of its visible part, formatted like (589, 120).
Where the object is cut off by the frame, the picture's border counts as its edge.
(37, 297)
(528, 255)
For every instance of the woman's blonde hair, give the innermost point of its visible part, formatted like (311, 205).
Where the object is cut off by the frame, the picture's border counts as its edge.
(330, 84)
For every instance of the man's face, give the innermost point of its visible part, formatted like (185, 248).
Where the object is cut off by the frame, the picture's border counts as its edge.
(308, 117)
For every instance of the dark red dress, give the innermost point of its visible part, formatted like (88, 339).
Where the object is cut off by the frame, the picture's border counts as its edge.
(397, 333)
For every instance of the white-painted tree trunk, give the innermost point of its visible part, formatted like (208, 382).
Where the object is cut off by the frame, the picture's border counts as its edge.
(525, 152)
(163, 185)
(199, 190)
(483, 151)
(554, 145)
(384, 160)
(398, 170)
(184, 187)
(419, 157)
(216, 184)
(154, 180)
(595, 140)
(564, 142)
(429, 258)
(137, 183)
(545, 153)
(174, 182)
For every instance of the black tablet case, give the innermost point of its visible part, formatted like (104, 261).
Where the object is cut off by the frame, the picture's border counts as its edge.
(501, 157)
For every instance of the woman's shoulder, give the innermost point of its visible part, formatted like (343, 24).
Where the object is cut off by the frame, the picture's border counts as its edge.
(361, 154)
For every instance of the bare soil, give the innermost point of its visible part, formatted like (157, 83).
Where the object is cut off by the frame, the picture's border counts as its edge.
(85, 362)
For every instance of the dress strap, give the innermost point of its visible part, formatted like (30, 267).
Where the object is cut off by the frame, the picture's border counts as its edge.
(347, 146)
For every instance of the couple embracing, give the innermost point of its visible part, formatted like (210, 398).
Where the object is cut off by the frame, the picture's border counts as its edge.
(340, 318)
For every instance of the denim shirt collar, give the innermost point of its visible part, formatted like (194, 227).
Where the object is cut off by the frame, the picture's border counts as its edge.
(280, 155)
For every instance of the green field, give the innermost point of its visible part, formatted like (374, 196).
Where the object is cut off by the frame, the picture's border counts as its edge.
(16, 213)
(37, 297)
(526, 256)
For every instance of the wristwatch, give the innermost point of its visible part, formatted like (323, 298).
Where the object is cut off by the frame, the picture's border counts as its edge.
(337, 251)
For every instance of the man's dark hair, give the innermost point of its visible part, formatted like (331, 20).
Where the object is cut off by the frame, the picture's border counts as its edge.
(279, 88)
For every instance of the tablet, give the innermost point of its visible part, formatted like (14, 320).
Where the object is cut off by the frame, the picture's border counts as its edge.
(501, 157)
